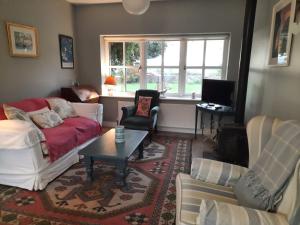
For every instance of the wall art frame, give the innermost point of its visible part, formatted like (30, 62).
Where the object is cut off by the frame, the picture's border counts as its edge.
(66, 51)
(22, 40)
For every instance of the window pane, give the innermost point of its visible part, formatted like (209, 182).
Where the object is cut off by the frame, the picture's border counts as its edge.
(153, 78)
(132, 80)
(171, 80)
(119, 74)
(153, 53)
(214, 53)
(116, 54)
(213, 74)
(195, 53)
(172, 53)
(193, 81)
(132, 54)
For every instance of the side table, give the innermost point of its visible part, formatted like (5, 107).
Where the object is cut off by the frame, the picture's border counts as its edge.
(213, 110)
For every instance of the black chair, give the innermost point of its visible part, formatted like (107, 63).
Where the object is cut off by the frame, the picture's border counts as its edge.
(131, 121)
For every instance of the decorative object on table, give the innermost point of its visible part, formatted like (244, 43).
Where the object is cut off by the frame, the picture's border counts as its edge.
(149, 197)
(163, 93)
(66, 52)
(110, 83)
(193, 95)
(119, 134)
(131, 121)
(136, 7)
(22, 40)
(281, 37)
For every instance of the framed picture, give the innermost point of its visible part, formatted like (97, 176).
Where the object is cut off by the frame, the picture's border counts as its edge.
(66, 52)
(22, 40)
(281, 37)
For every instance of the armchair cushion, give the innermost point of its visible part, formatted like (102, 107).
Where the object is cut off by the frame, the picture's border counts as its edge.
(190, 193)
(137, 122)
(143, 106)
(229, 214)
(216, 172)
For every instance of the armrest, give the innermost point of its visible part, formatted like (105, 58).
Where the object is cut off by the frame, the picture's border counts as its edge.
(154, 111)
(17, 134)
(230, 214)
(216, 172)
(93, 111)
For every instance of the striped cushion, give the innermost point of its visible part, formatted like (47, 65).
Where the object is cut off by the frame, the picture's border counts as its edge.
(216, 172)
(190, 193)
(230, 214)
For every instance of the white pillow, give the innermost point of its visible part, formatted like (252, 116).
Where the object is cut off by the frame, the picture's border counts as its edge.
(45, 109)
(47, 119)
(62, 107)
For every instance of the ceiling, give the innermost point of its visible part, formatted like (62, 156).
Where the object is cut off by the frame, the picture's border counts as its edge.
(96, 1)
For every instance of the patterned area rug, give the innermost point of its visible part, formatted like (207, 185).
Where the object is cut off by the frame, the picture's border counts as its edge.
(148, 198)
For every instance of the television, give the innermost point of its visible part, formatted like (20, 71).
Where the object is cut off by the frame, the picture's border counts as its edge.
(218, 91)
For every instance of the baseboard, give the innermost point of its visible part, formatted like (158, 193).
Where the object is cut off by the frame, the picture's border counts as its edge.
(163, 128)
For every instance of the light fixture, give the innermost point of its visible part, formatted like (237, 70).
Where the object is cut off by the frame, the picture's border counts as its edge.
(136, 7)
(110, 82)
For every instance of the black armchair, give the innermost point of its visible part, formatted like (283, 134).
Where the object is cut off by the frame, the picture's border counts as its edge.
(130, 121)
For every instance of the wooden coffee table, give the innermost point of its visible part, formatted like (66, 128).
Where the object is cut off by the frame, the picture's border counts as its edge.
(105, 149)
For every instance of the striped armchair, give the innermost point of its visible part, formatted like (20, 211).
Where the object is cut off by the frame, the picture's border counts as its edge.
(211, 183)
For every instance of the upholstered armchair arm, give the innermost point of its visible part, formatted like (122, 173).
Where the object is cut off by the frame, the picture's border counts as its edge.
(231, 214)
(127, 111)
(216, 172)
(154, 111)
(93, 111)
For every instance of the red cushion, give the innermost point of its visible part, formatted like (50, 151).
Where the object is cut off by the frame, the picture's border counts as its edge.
(143, 106)
(2, 114)
(85, 128)
(29, 105)
(60, 140)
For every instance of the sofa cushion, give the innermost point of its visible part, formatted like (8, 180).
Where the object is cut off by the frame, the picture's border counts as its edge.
(47, 119)
(62, 107)
(85, 128)
(60, 140)
(189, 194)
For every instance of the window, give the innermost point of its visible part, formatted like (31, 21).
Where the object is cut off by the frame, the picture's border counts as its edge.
(177, 64)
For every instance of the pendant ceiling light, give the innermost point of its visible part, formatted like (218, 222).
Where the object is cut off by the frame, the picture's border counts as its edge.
(136, 7)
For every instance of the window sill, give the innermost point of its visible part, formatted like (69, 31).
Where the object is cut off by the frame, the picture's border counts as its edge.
(163, 99)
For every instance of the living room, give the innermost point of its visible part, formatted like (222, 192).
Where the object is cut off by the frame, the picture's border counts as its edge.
(271, 90)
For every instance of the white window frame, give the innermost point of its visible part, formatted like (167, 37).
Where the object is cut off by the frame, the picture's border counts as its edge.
(142, 39)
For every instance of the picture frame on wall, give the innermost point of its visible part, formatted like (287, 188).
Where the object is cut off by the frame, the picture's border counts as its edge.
(66, 51)
(280, 36)
(22, 40)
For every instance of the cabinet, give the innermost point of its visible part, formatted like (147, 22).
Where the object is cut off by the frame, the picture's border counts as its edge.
(82, 93)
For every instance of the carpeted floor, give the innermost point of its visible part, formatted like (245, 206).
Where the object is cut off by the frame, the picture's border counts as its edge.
(149, 197)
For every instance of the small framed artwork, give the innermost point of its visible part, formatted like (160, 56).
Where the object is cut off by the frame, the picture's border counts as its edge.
(66, 52)
(281, 37)
(22, 40)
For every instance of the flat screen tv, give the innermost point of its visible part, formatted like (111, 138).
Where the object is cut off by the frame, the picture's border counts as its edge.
(218, 91)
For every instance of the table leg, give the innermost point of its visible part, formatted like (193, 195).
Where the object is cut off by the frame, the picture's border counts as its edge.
(211, 122)
(141, 150)
(89, 165)
(196, 121)
(122, 172)
(201, 122)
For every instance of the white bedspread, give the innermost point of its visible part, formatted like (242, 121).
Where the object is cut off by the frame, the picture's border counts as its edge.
(17, 134)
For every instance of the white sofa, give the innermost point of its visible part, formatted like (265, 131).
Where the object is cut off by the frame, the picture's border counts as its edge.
(27, 168)
(191, 192)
